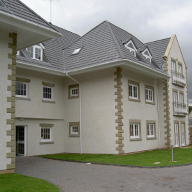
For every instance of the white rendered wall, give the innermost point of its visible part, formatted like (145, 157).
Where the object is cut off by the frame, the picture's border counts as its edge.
(139, 111)
(98, 113)
(4, 72)
(31, 113)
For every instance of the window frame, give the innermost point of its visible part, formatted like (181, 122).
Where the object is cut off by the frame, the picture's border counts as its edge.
(71, 133)
(32, 53)
(22, 96)
(132, 50)
(137, 85)
(70, 87)
(48, 99)
(51, 86)
(149, 88)
(134, 123)
(46, 126)
(149, 137)
(50, 135)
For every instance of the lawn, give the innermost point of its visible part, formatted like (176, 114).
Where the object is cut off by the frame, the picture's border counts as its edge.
(147, 158)
(13, 182)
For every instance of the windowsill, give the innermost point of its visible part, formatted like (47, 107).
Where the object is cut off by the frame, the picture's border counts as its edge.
(46, 142)
(136, 100)
(47, 101)
(74, 135)
(135, 139)
(22, 98)
(152, 103)
(73, 97)
(151, 138)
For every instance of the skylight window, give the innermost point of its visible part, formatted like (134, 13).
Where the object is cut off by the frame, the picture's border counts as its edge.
(76, 51)
(147, 54)
(130, 45)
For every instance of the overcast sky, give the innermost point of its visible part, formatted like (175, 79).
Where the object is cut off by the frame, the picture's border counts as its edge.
(148, 20)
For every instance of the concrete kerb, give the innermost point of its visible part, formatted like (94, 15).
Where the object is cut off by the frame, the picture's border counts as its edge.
(130, 166)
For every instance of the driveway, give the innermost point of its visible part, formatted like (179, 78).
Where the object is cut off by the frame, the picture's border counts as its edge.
(81, 177)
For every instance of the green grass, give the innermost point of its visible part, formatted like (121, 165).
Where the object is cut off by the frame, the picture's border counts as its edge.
(148, 158)
(13, 182)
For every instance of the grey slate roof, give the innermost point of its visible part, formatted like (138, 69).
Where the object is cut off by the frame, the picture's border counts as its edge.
(105, 44)
(158, 49)
(19, 9)
(53, 53)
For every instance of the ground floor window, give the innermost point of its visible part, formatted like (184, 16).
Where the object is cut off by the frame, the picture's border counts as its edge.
(134, 130)
(150, 130)
(74, 129)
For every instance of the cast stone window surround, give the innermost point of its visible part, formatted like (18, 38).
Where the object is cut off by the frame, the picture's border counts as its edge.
(149, 94)
(73, 91)
(74, 129)
(133, 91)
(135, 130)
(46, 134)
(48, 92)
(151, 130)
(22, 89)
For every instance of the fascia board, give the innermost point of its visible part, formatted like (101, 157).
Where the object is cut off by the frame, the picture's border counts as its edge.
(18, 22)
(38, 68)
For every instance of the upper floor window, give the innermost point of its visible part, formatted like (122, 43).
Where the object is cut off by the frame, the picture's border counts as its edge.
(130, 45)
(133, 90)
(36, 52)
(73, 91)
(147, 54)
(173, 66)
(149, 94)
(47, 93)
(21, 89)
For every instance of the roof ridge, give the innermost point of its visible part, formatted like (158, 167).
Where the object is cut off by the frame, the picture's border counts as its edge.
(115, 40)
(55, 26)
(35, 14)
(158, 40)
(127, 32)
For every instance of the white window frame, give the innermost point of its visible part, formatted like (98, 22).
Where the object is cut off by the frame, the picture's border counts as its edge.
(132, 50)
(132, 91)
(50, 134)
(48, 99)
(71, 92)
(173, 66)
(18, 53)
(149, 56)
(136, 134)
(149, 126)
(32, 53)
(74, 132)
(24, 83)
(147, 95)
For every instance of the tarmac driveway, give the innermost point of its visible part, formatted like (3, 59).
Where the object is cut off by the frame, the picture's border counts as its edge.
(81, 177)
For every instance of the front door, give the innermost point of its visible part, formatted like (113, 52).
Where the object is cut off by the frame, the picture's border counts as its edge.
(20, 140)
(176, 135)
(183, 134)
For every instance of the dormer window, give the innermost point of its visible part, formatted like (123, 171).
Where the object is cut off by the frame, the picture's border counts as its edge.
(18, 53)
(130, 45)
(147, 54)
(36, 52)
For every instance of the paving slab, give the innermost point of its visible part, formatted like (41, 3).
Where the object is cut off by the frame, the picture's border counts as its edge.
(82, 177)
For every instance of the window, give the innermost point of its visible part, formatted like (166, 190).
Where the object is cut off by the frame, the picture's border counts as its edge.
(18, 53)
(76, 51)
(134, 130)
(149, 94)
(45, 133)
(21, 89)
(73, 91)
(36, 52)
(180, 69)
(47, 93)
(147, 54)
(173, 65)
(150, 130)
(130, 45)
(133, 90)
(74, 129)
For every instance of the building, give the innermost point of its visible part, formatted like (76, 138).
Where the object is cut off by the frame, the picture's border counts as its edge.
(20, 27)
(105, 92)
